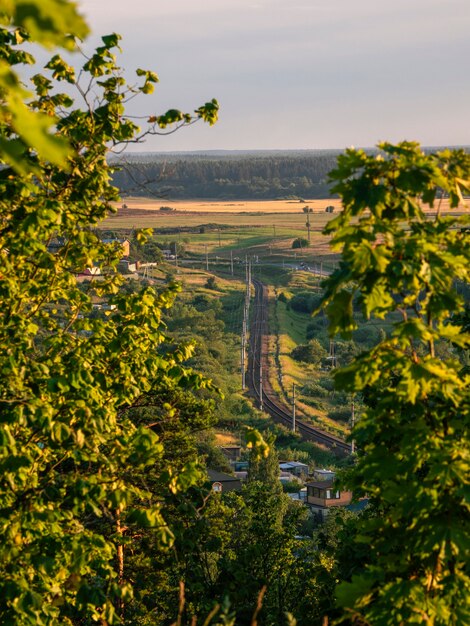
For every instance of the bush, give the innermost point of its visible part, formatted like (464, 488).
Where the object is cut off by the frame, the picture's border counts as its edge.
(346, 351)
(316, 327)
(300, 242)
(339, 397)
(293, 486)
(341, 414)
(211, 283)
(327, 383)
(314, 390)
(305, 302)
(314, 403)
(312, 352)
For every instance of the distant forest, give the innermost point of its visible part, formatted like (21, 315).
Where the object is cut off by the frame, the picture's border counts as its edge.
(227, 176)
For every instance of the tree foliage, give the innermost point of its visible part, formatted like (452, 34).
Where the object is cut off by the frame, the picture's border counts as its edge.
(413, 456)
(72, 459)
(312, 352)
(300, 243)
(240, 176)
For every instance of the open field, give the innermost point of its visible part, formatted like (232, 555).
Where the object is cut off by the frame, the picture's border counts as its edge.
(219, 206)
(277, 219)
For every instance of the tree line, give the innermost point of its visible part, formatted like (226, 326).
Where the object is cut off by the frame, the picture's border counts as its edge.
(248, 176)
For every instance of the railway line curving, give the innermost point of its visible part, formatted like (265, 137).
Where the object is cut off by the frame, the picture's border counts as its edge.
(258, 372)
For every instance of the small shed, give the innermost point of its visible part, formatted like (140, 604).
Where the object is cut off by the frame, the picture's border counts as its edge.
(294, 467)
(323, 474)
(232, 452)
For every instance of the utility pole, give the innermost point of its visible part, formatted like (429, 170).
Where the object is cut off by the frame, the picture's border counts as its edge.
(308, 227)
(207, 259)
(353, 421)
(219, 238)
(231, 261)
(243, 355)
(332, 355)
(293, 407)
(261, 384)
(246, 309)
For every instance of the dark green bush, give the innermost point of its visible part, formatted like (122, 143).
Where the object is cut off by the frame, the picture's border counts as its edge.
(312, 352)
(300, 242)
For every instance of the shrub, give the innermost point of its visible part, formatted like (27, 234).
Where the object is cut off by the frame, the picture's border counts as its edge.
(211, 283)
(315, 328)
(305, 302)
(327, 383)
(312, 352)
(341, 414)
(314, 403)
(300, 242)
(314, 390)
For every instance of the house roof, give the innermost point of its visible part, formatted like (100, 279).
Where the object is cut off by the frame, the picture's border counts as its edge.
(221, 477)
(291, 464)
(321, 484)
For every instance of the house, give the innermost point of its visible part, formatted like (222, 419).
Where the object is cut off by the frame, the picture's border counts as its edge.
(294, 467)
(323, 474)
(221, 482)
(91, 271)
(240, 466)
(300, 495)
(322, 496)
(125, 243)
(287, 477)
(126, 266)
(232, 452)
(242, 475)
(56, 244)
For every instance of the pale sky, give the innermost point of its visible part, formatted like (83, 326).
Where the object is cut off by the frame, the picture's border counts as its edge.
(299, 74)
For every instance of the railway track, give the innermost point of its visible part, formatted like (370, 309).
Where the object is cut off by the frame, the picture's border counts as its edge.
(258, 378)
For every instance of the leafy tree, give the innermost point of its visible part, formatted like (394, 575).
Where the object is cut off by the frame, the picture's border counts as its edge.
(68, 444)
(300, 242)
(312, 352)
(413, 455)
(265, 469)
(147, 251)
(305, 302)
(48, 24)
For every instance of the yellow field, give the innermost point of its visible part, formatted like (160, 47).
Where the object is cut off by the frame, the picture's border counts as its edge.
(279, 215)
(249, 206)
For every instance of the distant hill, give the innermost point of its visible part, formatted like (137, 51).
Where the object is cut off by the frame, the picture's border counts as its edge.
(227, 174)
